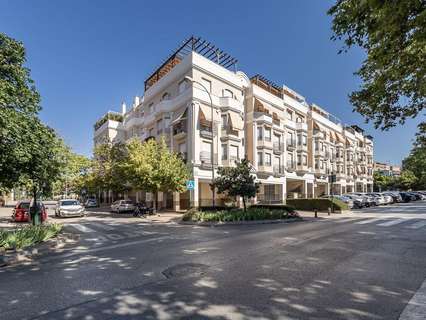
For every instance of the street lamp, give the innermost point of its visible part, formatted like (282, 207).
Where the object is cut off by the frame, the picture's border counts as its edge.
(189, 79)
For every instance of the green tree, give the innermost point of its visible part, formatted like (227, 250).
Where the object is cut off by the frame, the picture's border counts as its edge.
(393, 35)
(416, 160)
(150, 166)
(381, 181)
(237, 181)
(19, 104)
(407, 180)
(107, 171)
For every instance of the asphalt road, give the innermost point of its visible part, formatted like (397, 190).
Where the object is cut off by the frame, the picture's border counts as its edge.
(367, 265)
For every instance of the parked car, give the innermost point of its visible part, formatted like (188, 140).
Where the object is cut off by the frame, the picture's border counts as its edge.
(69, 208)
(419, 195)
(21, 212)
(395, 196)
(369, 200)
(122, 206)
(91, 203)
(407, 197)
(388, 198)
(415, 195)
(358, 202)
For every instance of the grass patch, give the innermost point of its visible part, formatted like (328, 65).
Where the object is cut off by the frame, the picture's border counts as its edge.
(252, 213)
(26, 236)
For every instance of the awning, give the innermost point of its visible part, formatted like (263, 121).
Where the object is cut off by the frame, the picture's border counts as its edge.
(205, 113)
(236, 121)
(349, 142)
(179, 115)
(339, 137)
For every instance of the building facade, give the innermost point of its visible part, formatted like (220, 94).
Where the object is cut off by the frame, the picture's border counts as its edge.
(387, 169)
(214, 115)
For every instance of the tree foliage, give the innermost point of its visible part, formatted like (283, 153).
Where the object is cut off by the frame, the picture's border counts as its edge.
(150, 166)
(237, 181)
(393, 35)
(416, 160)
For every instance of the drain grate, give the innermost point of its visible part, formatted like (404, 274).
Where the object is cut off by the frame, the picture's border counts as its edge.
(185, 270)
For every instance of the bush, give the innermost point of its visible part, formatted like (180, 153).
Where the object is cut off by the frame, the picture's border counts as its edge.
(284, 207)
(236, 214)
(319, 204)
(28, 235)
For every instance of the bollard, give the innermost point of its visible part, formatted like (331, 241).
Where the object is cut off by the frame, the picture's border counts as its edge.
(329, 210)
(316, 213)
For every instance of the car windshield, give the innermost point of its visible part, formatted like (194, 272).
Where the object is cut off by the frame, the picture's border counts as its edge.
(127, 202)
(70, 203)
(24, 205)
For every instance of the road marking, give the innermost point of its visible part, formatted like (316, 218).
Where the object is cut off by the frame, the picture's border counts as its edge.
(391, 223)
(416, 307)
(82, 228)
(417, 225)
(369, 221)
(103, 226)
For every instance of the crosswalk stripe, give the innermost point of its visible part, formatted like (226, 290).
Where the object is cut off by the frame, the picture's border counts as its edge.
(391, 223)
(417, 225)
(102, 226)
(369, 221)
(82, 228)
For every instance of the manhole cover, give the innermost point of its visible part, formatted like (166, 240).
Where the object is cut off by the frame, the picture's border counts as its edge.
(185, 270)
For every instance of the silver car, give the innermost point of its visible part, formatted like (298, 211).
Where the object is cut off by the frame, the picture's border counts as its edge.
(122, 206)
(69, 208)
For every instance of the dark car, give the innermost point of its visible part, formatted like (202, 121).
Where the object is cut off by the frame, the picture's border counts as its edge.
(407, 197)
(415, 195)
(395, 196)
(21, 211)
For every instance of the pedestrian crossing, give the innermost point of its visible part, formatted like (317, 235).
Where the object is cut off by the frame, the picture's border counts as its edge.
(408, 223)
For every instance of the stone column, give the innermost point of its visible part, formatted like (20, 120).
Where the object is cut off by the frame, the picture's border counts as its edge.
(176, 201)
(194, 194)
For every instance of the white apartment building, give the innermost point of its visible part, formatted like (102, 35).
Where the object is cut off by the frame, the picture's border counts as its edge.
(295, 147)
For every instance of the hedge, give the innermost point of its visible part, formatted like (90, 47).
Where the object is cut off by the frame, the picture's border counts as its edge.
(283, 207)
(319, 204)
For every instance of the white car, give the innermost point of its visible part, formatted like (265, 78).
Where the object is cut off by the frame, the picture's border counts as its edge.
(122, 206)
(69, 208)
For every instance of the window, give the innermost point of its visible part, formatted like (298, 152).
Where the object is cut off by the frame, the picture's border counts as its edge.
(260, 159)
(299, 160)
(207, 84)
(290, 160)
(277, 161)
(227, 93)
(290, 141)
(160, 125)
(289, 115)
(322, 164)
(316, 164)
(206, 152)
(316, 145)
(299, 139)
(151, 107)
(233, 152)
(305, 160)
(259, 133)
(300, 119)
(267, 159)
(224, 152)
(224, 121)
(165, 96)
(182, 147)
(182, 86)
(304, 140)
(267, 134)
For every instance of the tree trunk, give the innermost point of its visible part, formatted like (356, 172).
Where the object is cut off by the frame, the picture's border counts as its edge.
(33, 216)
(244, 204)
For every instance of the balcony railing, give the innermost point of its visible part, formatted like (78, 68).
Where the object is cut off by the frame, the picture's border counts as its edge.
(278, 147)
(206, 131)
(232, 159)
(279, 169)
(206, 157)
(178, 129)
(291, 144)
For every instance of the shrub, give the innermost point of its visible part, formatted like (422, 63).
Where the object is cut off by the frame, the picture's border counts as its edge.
(284, 207)
(28, 235)
(236, 214)
(319, 204)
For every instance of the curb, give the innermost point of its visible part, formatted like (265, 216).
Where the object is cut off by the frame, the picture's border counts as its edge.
(234, 223)
(13, 257)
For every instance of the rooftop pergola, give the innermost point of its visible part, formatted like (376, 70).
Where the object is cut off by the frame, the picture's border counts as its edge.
(193, 44)
(268, 85)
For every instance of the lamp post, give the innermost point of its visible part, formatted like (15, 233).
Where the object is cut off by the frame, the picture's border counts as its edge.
(189, 79)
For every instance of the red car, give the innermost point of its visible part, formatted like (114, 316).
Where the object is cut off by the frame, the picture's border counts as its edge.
(21, 212)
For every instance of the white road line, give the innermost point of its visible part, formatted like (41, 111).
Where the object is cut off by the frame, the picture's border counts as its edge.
(82, 228)
(369, 221)
(416, 307)
(417, 225)
(392, 222)
(103, 226)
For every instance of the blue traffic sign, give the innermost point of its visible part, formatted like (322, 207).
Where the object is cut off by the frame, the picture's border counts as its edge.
(190, 184)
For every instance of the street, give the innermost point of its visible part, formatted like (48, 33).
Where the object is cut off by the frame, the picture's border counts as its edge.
(364, 265)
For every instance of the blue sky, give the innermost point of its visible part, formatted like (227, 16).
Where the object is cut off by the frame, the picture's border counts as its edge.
(88, 56)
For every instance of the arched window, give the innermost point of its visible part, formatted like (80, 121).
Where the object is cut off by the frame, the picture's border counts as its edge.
(165, 96)
(227, 93)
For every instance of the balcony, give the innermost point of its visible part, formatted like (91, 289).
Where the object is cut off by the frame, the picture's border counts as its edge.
(206, 132)
(278, 147)
(232, 159)
(302, 168)
(279, 170)
(179, 131)
(290, 167)
(302, 147)
(262, 117)
(301, 126)
(320, 153)
(263, 167)
(266, 142)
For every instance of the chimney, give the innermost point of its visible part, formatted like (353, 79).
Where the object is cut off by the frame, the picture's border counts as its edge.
(123, 108)
(137, 101)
